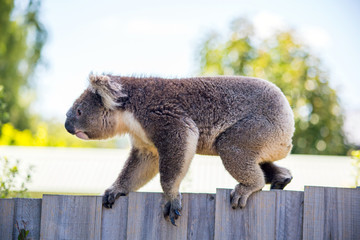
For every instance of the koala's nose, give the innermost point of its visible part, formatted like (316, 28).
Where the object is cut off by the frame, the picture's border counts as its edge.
(68, 113)
(69, 127)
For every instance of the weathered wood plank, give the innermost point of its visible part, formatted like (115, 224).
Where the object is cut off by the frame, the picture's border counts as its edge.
(27, 215)
(7, 212)
(331, 213)
(146, 220)
(289, 214)
(98, 218)
(255, 221)
(114, 221)
(201, 216)
(71, 217)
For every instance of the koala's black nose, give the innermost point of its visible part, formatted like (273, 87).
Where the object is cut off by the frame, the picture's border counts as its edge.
(69, 127)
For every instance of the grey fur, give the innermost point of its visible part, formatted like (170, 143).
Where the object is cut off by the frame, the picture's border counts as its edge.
(247, 121)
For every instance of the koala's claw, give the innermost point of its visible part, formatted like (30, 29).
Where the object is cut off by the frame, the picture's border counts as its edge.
(109, 197)
(173, 221)
(177, 212)
(172, 210)
(281, 184)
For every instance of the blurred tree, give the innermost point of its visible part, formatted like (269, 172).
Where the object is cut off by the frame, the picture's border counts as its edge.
(22, 37)
(3, 114)
(288, 63)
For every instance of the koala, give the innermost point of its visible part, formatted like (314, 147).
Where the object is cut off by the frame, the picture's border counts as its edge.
(247, 121)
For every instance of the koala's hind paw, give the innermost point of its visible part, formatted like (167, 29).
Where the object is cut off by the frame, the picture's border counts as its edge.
(110, 196)
(240, 195)
(172, 210)
(237, 200)
(281, 184)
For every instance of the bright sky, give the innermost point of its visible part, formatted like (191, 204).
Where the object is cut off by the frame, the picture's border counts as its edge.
(161, 37)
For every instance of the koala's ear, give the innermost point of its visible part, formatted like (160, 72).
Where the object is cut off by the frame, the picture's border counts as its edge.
(108, 89)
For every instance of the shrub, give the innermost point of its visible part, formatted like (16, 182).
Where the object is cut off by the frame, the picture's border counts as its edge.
(12, 180)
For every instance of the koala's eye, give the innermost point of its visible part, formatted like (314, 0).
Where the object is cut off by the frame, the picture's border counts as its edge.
(78, 112)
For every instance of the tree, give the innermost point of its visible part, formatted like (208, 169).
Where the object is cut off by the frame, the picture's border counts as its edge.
(22, 37)
(3, 114)
(290, 64)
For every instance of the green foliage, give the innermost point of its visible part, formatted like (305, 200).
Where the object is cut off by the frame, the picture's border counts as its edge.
(3, 114)
(22, 37)
(356, 163)
(288, 63)
(12, 184)
(22, 231)
(23, 234)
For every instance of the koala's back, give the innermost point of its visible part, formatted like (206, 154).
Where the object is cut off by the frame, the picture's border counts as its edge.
(215, 104)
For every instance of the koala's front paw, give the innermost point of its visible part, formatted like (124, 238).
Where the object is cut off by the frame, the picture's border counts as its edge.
(172, 210)
(110, 196)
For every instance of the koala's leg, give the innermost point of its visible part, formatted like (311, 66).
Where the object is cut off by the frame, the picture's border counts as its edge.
(277, 176)
(239, 150)
(176, 150)
(139, 168)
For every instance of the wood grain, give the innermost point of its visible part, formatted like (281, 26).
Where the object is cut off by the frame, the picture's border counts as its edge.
(289, 214)
(114, 220)
(331, 213)
(7, 213)
(71, 217)
(146, 220)
(255, 221)
(27, 216)
(201, 216)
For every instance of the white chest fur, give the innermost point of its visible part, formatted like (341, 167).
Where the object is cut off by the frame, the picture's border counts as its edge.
(129, 124)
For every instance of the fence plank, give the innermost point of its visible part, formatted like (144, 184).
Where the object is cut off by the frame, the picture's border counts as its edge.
(331, 213)
(201, 216)
(7, 213)
(27, 215)
(146, 220)
(255, 221)
(71, 217)
(98, 218)
(114, 221)
(289, 214)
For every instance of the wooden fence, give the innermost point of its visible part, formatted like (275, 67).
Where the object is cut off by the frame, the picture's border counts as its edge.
(316, 213)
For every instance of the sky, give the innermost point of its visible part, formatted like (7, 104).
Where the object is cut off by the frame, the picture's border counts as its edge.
(161, 38)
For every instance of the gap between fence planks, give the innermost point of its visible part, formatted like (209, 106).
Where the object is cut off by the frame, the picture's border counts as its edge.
(316, 213)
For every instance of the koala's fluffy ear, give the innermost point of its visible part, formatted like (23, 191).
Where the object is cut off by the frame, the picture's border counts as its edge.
(108, 89)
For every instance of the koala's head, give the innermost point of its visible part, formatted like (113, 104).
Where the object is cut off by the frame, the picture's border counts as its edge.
(95, 114)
